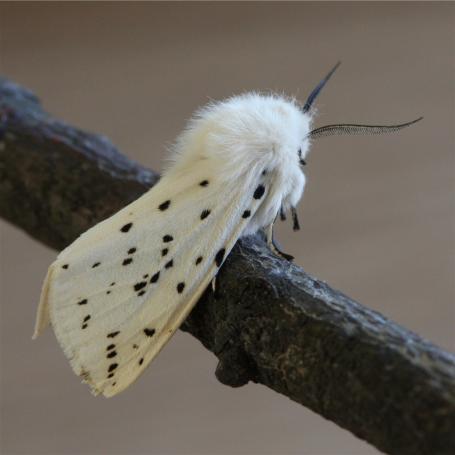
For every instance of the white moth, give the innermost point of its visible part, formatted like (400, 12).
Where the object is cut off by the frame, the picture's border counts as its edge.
(117, 294)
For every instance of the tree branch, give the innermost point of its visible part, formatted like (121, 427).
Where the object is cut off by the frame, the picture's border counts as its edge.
(269, 321)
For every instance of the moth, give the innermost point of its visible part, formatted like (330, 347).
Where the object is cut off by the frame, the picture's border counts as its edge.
(117, 294)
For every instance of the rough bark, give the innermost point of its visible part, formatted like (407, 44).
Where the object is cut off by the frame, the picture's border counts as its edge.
(269, 322)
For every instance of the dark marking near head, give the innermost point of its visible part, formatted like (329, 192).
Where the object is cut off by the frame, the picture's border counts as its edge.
(131, 250)
(82, 302)
(155, 277)
(127, 261)
(169, 264)
(84, 326)
(205, 214)
(180, 287)
(96, 264)
(126, 227)
(141, 361)
(87, 318)
(111, 354)
(135, 346)
(219, 257)
(65, 266)
(149, 332)
(301, 160)
(168, 238)
(140, 293)
(259, 192)
(199, 260)
(110, 375)
(113, 334)
(111, 346)
(139, 286)
(204, 183)
(165, 205)
(164, 251)
(112, 367)
(246, 214)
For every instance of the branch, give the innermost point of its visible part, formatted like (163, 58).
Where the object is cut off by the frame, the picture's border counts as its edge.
(269, 321)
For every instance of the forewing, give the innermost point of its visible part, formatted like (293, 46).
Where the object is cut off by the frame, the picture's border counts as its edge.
(119, 292)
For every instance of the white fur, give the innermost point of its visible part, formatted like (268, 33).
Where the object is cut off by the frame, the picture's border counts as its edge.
(237, 145)
(245, 132)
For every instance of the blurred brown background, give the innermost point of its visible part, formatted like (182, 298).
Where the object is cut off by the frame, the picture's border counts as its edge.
(378, 214)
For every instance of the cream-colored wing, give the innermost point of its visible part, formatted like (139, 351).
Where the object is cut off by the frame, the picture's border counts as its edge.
(118, 293)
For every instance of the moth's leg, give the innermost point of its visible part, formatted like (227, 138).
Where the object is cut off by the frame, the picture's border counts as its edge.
(273, 246)
(295, 219)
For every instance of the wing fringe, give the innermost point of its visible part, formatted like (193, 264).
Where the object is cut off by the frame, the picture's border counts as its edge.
(42, 315)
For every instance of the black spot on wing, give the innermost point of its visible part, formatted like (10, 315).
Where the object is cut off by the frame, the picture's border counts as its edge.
(141, 293)
(111, 354)
(82, 302)
(132, 250)
(65, 266)
(205, 213)
(141, 360)
(169, 264)
(139, 286)
(145, 276)
(87, 318)
(199, 260)
(113, 334)
(112, 284)
(111, 346)
(204, 183)
(219, 257)
(127, 261)
(164, 251)
(149, 332)
(167, 238)
(180, 287)
(155, 277)
(135, 346)
(84, 326)
(112, 367)
(246, 214)
(164, 205)
(110, 375)
(96, 264)
(126, 227)
(259, 192)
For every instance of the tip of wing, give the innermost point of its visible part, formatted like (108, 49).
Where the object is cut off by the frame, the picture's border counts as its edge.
(42, 315)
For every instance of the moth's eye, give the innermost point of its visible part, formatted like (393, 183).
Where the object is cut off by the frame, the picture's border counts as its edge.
(301, 160)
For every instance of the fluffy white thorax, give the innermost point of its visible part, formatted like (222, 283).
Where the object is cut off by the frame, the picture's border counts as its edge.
(247, 134)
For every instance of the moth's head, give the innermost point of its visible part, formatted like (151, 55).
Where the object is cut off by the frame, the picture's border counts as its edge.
(245, 129)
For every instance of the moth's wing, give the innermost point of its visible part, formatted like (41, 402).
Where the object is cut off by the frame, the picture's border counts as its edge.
(119, 292)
